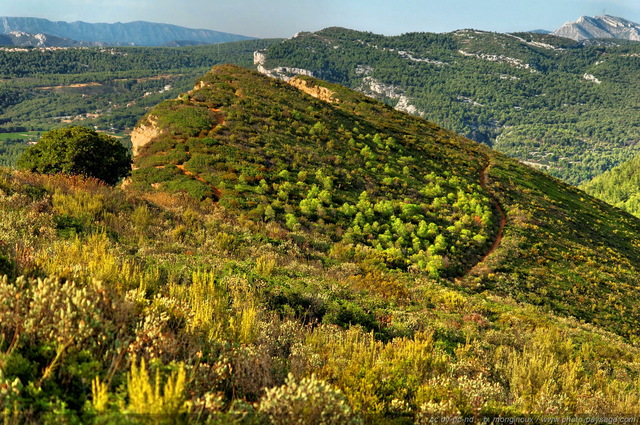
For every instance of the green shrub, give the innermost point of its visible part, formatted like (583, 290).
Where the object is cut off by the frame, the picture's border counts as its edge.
(185, 120)
(310, 401)
(144, 392)
(78, 150)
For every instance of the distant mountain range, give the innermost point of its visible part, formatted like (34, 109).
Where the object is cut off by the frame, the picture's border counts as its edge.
(23, 39)
(600, 27)
(37, 32)
(42, 32)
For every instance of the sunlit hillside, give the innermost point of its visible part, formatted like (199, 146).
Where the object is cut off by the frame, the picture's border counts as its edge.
(565, 107)
(278, 257)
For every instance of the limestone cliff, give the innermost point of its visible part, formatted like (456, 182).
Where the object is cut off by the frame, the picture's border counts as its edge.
(372, 87)
(282, 72)
(144, 133)
(314, 90)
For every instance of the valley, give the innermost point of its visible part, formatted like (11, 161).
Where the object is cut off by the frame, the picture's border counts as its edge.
(108, 89)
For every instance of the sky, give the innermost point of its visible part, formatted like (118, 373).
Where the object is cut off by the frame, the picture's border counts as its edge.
(284, 18)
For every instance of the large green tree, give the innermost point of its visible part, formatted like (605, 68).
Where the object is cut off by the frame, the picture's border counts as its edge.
(78, 150)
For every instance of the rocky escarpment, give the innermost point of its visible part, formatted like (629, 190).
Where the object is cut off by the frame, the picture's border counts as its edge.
(313, 89)
(370, 85)
(144, 133)
(282, 72)
(23, 39)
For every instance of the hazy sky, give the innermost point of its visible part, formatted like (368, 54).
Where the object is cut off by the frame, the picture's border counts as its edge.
(283, 18)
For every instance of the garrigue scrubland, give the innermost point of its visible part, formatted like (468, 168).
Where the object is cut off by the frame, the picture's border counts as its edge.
(276, 257)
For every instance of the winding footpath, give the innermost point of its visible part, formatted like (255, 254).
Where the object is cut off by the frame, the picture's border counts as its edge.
(498, 207)
(216, 191)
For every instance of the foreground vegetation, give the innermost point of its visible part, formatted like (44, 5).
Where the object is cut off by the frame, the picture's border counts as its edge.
(215, 286)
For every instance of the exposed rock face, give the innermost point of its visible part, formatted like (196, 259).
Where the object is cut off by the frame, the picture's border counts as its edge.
(600, 27)
(373, 87)
(517, 63)
(590, 77)
(23, 39)
(316, 91)
(143, 134)
(369, 85)
(283, 73)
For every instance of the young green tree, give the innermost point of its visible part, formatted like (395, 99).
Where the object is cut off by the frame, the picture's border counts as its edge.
(78, 150)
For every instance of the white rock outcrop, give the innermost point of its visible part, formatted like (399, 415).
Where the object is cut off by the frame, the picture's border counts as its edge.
(371, 85)
(282, 72)
(593, 78)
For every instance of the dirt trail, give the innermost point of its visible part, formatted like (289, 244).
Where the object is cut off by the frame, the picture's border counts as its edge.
(498, 207)
(218, 114)
(216, 111)
(216, 191)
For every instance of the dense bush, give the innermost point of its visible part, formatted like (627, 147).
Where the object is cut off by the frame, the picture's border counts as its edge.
(310, 401)
(78, 151)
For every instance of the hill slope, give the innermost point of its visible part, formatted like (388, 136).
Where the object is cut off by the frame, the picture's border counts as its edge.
(562, 106)
(359, 172)
(108, 89)
(137, 33)
(619, 186)
(272, 231)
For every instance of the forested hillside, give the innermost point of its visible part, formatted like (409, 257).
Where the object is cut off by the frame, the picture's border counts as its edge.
(110, 89)
(564, 107)
(277, 257)
(619, 186)
(567, 108)
(416, 194)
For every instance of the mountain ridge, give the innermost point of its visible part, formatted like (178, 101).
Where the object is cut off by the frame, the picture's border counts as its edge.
(137, 33)
(537, 97)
